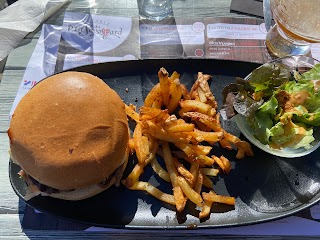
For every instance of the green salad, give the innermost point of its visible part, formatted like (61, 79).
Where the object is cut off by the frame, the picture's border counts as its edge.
(281, 106)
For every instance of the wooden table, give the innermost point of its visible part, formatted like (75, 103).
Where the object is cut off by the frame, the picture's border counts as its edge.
(11, 209)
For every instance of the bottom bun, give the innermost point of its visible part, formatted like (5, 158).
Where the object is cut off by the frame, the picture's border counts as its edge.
(78, 194)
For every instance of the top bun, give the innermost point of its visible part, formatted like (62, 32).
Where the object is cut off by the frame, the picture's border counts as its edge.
(69, 131)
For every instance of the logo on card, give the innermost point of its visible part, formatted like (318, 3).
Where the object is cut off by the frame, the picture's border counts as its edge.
(99, 29)
(29, 84)
(95, 33)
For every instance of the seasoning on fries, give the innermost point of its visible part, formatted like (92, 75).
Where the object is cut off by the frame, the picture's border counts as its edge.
(175, 124)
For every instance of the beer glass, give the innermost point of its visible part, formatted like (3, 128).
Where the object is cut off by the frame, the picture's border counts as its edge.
(297, 27)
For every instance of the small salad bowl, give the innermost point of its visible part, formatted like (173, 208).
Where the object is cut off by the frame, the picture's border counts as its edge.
(296, 64)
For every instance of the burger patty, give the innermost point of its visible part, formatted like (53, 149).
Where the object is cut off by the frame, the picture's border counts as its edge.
(49, 190)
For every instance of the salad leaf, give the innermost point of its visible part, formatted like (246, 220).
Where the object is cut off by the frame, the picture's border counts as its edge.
(295, 137)
(261, 123)
(305, 141)
(313, 103)
(277, 130)
(293, 87)
(312, 119)
(270, 106)
(312, 74)
(245, 105)
(269, 76)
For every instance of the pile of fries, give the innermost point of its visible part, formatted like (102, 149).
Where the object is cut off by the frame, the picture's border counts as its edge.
(181, 126)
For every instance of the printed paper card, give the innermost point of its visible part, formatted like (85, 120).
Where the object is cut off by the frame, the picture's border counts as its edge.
(240, 39)
(42, 62)
(97, 38)
(160, 39)
(172, 38)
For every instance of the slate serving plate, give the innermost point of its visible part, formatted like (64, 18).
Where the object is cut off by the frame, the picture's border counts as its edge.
(266, 187)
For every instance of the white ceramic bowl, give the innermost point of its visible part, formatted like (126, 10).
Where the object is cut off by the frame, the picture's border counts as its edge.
(293, 62)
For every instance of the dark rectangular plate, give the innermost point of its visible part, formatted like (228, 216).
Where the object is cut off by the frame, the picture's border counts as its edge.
(266, 187)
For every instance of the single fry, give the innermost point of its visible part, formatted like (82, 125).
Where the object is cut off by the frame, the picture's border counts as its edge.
(183, 171)
(193, 150)
(185, 148)
(185, 92)
(152, 95)
(207, 136)
(210, 122)
(174, 76)
(152, 190)
(212, 112)
(185, 127)
(192, 195)
(201, 126)
(142, 150)
(165, 82)
(213, 197)
(199, 182)
(207, 182)
(202, 95)
(195, 106)
(206, 209)
(204, 160)
(160, 133)
(212, 172)
(226, 164)
(162, 173)
(177, 193)
(131, 145)
(148, 113)
(230, 138)
(157, 103)
(240, 153)
(246, 148)
(179, 198)
(134, 175)
(131, 113)
(175, 95)
(194, 169)
(145, 145)
(224, 143)
(200, 150)
(138, 169)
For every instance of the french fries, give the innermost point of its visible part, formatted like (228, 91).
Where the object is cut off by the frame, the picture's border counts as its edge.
(176, 124)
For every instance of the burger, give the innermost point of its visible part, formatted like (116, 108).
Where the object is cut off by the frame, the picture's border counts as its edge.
(69, 134)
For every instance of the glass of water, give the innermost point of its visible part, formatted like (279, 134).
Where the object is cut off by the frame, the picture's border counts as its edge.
(155, 9)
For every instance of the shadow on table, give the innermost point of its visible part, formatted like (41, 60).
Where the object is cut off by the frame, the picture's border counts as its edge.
(34, 220)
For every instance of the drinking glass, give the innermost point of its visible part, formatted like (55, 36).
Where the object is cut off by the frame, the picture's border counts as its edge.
(297, 27)
(155, 9)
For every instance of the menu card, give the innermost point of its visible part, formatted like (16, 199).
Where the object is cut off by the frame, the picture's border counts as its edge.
(86, 39)
(172, 38)
(240, 39)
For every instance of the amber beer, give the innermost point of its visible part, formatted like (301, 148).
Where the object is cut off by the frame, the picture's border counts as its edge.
(297, 25)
